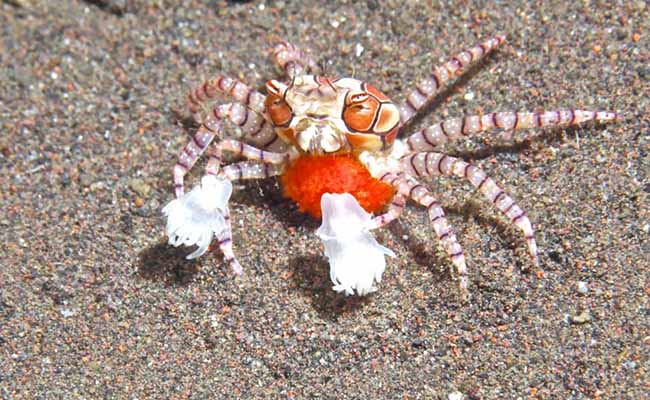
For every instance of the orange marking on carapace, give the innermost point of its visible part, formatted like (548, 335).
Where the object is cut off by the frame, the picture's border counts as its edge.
(309, 177)
(388, 118)
(379, 95)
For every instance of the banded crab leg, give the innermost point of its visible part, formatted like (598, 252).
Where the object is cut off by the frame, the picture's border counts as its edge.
(396, 205)
(432, 164)
(245, 150)
(255, 127)
(436, 135)
(247, 112)
(237, 171)
(292, 60)
(408, 186)
(221, 84)
(199, 142)
(427, 88)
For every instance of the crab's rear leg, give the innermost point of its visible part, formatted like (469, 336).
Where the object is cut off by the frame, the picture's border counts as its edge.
(427, 88)
(396, 205)
(431, 164)
(409, 187)
(292, 60)
(436, 135)
(221, 84)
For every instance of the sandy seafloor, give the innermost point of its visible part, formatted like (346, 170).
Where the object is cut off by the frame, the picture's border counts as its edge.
(94, 304)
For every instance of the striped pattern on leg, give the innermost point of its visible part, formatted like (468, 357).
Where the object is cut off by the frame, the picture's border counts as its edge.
(257, 130)
(427, 88)
(253, 153)
(214, 161)
(396, 205)
(220, 84)
(224, 240)
(250, 170)
(429, 164)
(193, 150)
(410, 187)
(292, 60)
(433, 137)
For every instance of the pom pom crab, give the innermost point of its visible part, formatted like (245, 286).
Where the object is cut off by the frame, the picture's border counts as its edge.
(323, 135)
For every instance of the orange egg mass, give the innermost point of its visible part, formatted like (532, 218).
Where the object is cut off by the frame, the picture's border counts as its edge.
(309, 177)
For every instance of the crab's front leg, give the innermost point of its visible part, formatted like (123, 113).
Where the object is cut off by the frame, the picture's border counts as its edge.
(198, 217)
(264, 164)
(431, 164)
(239, 171)
(426, 89)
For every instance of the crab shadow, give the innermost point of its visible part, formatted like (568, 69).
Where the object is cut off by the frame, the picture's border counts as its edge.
(545, 137)
(429, 254)
(310, 274)
(267, 193)
(164, 263)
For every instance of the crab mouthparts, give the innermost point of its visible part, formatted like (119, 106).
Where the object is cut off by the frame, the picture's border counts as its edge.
(319, 139)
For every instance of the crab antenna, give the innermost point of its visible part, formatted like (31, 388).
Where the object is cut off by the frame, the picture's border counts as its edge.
(329, 83)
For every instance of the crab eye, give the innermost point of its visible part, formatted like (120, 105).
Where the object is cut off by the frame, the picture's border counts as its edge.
(280, 112)
(357, 98)
(371, 117)
(360, 111)
(276, 88)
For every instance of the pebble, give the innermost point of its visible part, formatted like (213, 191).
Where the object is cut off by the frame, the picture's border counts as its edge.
(582, 287)
(581, 318)
(67, 313)
(85, 180)
(455, 396)
(140, 187)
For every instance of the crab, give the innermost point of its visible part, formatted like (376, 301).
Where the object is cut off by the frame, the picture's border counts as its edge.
(324, 135)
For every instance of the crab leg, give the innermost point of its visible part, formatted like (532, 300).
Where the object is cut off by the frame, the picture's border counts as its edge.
(430, 164)
(443, 230)
(292, 60)
(427, 88)
(436, 135)
(197, 145)
(224, 240)
(237, 171)
(250, 170)
(257, 130)
(396, 205)
(221, 84)
(248, 112)
(253, 153)
(409, 187)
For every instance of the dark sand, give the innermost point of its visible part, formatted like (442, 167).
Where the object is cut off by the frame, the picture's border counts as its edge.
(94, 304)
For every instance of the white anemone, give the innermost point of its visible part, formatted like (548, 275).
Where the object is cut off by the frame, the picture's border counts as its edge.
(356, 259)
(196, 217)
